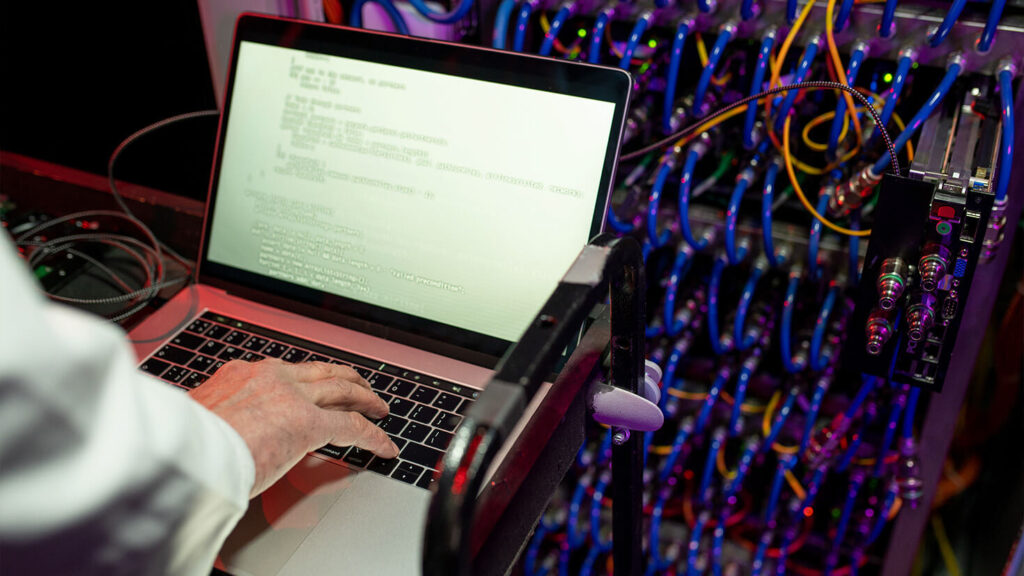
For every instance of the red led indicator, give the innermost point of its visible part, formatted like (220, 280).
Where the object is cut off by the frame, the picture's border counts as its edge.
(945, 212)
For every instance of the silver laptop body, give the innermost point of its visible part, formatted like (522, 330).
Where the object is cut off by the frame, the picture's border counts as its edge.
(409, 202)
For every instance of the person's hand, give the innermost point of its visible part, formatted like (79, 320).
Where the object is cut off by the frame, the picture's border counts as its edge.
(283, 411)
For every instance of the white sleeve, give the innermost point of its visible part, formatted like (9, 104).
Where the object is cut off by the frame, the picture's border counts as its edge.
(103, 470)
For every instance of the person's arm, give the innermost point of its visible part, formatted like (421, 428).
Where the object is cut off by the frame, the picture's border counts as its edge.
(104, 470)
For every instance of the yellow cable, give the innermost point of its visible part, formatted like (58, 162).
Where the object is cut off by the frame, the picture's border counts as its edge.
(838, 62)
(784, 50)
(687, 395)
(805, 135)
(720, 464)
(766, 422)
(702, 51)
(945, 548)
(788, 157)
(659, 450)
(794, 484)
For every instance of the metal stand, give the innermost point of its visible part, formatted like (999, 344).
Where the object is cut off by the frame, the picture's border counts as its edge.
(462, 517)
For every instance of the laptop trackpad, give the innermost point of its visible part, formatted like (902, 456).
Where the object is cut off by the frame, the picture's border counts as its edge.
(279, 520)
(375, 527)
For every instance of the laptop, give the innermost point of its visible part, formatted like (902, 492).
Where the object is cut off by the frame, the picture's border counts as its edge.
(399, 205)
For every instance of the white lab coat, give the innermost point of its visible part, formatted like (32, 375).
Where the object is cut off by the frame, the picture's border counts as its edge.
(103, 470)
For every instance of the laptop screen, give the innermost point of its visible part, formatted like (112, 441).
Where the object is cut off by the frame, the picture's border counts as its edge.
(419, 192)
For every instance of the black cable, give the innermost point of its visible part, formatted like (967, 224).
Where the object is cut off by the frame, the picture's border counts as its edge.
(813, 85)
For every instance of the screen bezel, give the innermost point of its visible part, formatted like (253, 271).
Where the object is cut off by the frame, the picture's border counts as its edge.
(570, 78)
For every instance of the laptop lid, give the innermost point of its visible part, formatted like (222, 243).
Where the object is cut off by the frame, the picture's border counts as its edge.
(423, 188)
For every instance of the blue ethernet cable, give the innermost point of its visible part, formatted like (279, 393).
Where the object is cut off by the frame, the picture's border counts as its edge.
(868, 385)
(750, 450)
(952, 71)
(747, 10)
(458, 13)
(713, 285)
(802, 70)
(786, 463)
(742, 383)
(756, 86)
(790, 11)
(533, 548)
(563, 14)
(1006, 74)
(693, 546)
(911, 412)
(597, 35)
(721, 379)
(634, 39)
(704, 5)
(883, 515)
(681, 265)
(615, 224)
(588, 563)
(522, 23)
(790, 364)
(767, 201)
(842, 18)
(685, 429)
(575, 537)
(669, 380)
(734, 253)
(853, 250)
(742, 340)
(657, 563)
(819, 362)
(890, 430)
(943, 29)
(501, 21)
(757, 564)
(995, 13)
(903, 67)
(856, 59)
(595, 511)
(847, 457)
(725, 34)
(856, 480)
(665, 168)
(694, 154)
(780, 418)
(885, 29)
(706, 491)
(820, 388)
(678, 43)
(355, 20)
(814, 242)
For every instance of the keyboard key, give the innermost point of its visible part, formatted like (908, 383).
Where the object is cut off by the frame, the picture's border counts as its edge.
(379, 381)
(364, 372)
(400, 406)
(464, 406)
(317, 358)
(194, 379)
(422, 455)
(385, 396)
(201, 363)
(333, 451)
(446, 421)
(423, 414)
(231, 353)
(175, 374)
(251, 357)
(401, 388)
(175, 354)
(198, 326)
(216, 366)
(407, 474)
(154, 366)
(295, 356)
(426, 480)
(439, 439)
(211, 348)
(382, 466)
(424, 394)
(358, 457)
(255, 343)
(217, 331)
(399, 442)
(236, 337)
(186, 340)
(392, 424)
(415, 432)
(448, 402)
(274, 350)
(410, 468)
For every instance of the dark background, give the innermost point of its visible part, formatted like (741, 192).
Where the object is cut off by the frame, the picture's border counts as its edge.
(79, 77)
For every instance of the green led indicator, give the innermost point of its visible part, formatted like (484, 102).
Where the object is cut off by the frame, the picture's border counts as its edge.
(582, 33)
(835, 513)
(652, 43)
(887, 77)
(943, 228)
(915, 65)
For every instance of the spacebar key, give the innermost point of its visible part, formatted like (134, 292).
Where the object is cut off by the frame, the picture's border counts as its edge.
(422, 455)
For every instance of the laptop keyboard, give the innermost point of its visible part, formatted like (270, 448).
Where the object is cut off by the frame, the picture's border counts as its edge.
(424, 411)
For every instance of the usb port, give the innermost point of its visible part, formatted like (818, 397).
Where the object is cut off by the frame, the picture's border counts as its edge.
(970, 229)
